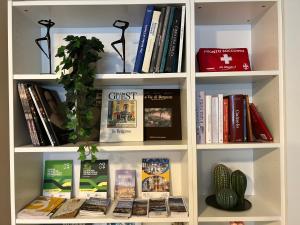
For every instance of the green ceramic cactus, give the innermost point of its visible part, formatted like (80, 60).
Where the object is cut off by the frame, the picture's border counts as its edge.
(227, 198)
(239, 184)
(221, 177)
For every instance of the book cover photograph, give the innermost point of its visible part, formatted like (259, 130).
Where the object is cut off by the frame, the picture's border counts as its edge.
(162, 117)
(69, 209)
(158, 207)
(125, 184)
(177, 206)
(94, 207)
(41, 208)
(58, 175)
(93, 179)
(155, 177)
(122, 115)
(140, 207)
(123, 208)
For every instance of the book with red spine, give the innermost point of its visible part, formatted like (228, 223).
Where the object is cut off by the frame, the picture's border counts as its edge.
(225, 121)
(250, 136)
(235, 118)
(260, 130)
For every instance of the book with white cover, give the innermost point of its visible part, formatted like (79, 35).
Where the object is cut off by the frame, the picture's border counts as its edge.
(201, 116)
(182, 23)
(221, 123)
(151, 41)
(215, 119)
(208, 133)
(122, 115)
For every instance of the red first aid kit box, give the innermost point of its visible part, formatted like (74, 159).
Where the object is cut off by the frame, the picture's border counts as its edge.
(218, 59)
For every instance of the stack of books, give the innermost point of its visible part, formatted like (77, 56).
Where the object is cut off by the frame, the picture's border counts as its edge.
(226, 119)
(161, 41)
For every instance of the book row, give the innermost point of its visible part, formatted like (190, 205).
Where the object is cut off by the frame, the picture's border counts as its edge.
(161, 40)
(223, 119)
(44, 207)
(94, 179)
(118, 115)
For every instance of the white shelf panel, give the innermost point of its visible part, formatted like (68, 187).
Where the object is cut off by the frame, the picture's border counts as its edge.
(235, 77)
(221, 12)
(238, 146)
(115, 79)
(95, 2)
(260, 211)
(102, 220)
(122, 146)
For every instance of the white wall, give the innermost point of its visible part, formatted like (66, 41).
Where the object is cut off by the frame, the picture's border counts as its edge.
(292, 72)
(4, 149)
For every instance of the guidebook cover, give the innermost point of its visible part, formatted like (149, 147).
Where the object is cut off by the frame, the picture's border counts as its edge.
(125, 184)
(121, 115)
(58, 175)
(155, 178)
(162, 117)
(93, 179)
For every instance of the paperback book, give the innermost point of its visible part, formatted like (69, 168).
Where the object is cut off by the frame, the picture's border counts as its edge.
(58, 175)
(155, 178)
(42, 207)
(125, 184)
(123, 208)
(121, 115)
(158, 207)
(69, 209)
(93, 179)
(177, 207)
(140, 207)
(162, 117)
(95, 207)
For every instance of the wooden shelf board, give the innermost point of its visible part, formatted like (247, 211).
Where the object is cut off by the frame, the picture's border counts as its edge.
(122, 146)
(260, 211)
(107, 219)
(93, 2)
(115, 79)
(234, 77)
(238, 146)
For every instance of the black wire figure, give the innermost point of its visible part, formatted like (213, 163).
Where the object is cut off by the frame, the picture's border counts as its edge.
(48, 24)
(123, 25)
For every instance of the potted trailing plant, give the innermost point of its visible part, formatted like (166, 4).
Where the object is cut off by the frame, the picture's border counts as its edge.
(78, 70)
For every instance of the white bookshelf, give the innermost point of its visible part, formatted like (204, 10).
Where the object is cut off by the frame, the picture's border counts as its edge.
(209, 23)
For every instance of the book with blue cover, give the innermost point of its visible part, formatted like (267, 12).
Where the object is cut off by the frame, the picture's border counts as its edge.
(143, 39)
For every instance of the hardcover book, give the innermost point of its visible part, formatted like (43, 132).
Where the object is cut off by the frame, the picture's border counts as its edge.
(123, 208)
(215, 119)
(250, 136)
(181, 39)
(121, 115)
(158, 207)
(143, 39)
(94, 207)
(225, 120)
(93, 179)
(201, 117)
(235, 118)
(177, 207)
(69, 209)
(162, 117)
(125, 184)
(140, 208)
(208, 119)
(58, 176)
(155, 178)
(41, 208)
(260, 130)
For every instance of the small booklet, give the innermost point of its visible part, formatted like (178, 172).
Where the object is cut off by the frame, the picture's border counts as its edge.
(158, 207)
(125, 184)
(177, 207)
(69, 209)
(140, 207)
(41, 208)
(94, 207)
(123, 208)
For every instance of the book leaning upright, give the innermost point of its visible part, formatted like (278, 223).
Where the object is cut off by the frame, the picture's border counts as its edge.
(122, 115)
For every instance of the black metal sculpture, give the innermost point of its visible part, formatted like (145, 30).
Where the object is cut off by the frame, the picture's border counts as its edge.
(48, 24)
(123, 25)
